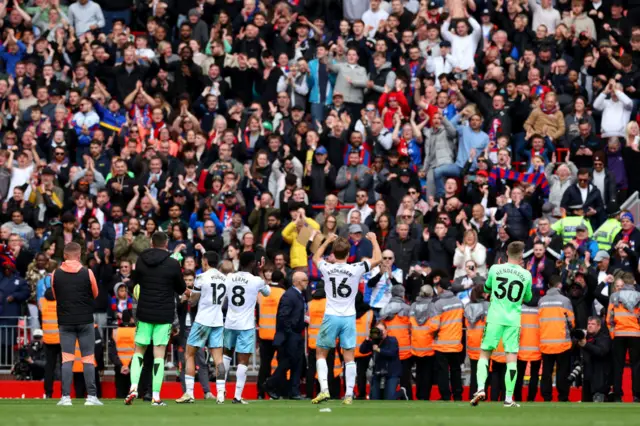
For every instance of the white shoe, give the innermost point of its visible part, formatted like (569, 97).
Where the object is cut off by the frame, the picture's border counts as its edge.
(209, 395)
(169, 365)
(93, 400)
(220, 398)
(65, 401)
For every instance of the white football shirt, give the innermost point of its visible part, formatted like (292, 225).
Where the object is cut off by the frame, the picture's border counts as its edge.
(213, 292)
(341, 282)
(242, 294)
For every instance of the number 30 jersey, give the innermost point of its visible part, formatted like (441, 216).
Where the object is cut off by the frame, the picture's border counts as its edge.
(509, 286)
(213, 292)
(341, 281)
(242, 294)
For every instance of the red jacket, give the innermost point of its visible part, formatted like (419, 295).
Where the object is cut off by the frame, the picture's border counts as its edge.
(402, 103)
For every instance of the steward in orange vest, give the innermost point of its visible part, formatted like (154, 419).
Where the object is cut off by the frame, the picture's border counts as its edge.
(623, 316)
(121, 353)
(364, 321)
(475, 317)
(316, 309)
(555, 317)
(50, 338)
(529, 353)
(267, 311)
(445, 322)
(422, 343)
(395, 316)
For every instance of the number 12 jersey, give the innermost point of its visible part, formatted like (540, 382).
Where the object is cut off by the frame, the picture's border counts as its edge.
(341, 281)
(213, 292)
(509, 286)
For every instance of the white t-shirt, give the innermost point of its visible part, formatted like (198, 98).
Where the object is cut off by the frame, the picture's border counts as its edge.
(242, 294)
(341, 281)
(213, 290)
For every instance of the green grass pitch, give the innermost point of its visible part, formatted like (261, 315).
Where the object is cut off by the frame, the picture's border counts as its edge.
(303, 413)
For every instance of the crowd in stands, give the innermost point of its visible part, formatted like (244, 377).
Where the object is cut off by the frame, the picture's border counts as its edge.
(448, 129)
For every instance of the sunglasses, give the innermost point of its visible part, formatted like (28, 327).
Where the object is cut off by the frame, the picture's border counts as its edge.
(406, 217)
(583, 180)
(387, 258)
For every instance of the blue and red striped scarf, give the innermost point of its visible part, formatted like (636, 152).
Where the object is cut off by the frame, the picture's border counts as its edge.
(353, 251)
(538, 179)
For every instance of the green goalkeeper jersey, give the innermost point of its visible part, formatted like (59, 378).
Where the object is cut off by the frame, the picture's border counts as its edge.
(509, 286)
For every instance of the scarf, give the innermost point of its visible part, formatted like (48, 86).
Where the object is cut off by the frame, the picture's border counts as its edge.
(551, 111)
(536, 268)
(353, 251)
(538, 179)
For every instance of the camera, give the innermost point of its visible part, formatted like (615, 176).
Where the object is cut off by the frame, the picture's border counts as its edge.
(375, 335)
(21, 369)
(460, 76)
(578, 334)
(575, 373)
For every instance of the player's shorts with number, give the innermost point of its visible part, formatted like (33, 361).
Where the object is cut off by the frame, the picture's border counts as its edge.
(510, 336)
(203, 336)
(244, 341)
(334, 327)
(158, 333)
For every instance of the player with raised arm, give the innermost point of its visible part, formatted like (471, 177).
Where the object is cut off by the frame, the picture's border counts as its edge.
(341, 281)
(240, 324)
(510, 286)
(209, 292)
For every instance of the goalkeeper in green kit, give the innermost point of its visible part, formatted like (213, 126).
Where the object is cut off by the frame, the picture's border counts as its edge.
(509, 285)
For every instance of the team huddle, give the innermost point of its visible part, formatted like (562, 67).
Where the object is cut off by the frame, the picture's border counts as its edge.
(508, 284)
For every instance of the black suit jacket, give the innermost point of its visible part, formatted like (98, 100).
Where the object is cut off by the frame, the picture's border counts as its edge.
(290, 318)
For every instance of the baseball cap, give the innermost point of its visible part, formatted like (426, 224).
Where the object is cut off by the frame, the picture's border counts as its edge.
(482, 173)
(404, 172)
(321, 150)
(433, 5)
(485, 12)
(38, 333)
(598, 156)
(604, 43)
(355, 228)
(581, 227)
(337, 94)
(178, 193)
(445, 43)
(576, 207)
(600, 255)
(297, 108)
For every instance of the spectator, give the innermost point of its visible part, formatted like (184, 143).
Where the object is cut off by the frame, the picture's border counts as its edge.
(85, 16)
(470, 249)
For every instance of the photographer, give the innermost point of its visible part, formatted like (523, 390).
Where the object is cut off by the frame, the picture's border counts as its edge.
(32, 359)
(386, 362)
(595, 344)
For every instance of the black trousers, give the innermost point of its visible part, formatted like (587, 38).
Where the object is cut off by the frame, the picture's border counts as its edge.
(424, 376)
(498, 370)
(449, 375)
(312, 382)
(53, 355)
(267, 350)
(562, 362)
(362, 365)
(290, 355)
(533, 380)
(620, 346)
(405, 379)
(123, 383)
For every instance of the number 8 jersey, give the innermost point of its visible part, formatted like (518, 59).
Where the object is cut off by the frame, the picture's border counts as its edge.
(341, 281)
(242, 294)
(509, 286)
(212, 289)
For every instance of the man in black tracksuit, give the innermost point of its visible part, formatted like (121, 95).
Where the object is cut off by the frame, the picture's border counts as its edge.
(160, 278)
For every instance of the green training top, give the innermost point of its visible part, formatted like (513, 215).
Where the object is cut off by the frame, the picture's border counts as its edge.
(509, 286)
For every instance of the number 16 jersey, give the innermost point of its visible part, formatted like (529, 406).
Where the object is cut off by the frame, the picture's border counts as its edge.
(341, 281)
(509, 286)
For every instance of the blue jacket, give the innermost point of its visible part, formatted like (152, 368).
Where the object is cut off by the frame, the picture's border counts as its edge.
(468, 139)
(117, 119)
(314, 84)
(10, 60)
(19, 289)
(42, 286)
(387, 359)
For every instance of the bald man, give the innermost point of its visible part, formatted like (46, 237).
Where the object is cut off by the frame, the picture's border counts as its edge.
(289, 340)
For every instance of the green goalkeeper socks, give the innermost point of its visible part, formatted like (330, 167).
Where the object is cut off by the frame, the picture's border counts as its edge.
(158, 374)
(136, 368)
(482, 372)
(510, 380)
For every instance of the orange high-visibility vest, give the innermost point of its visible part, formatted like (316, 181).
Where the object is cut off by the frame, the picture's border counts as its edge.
(554, 310)
(421, 339)
(400, 328)
(474, 337)
(316, 314)
(529, 335)
(124, 338)
(621, 322)
(51, 335)
(446, 324)
(363, 326)
(498, 355)
(77, 362)
(267, 313)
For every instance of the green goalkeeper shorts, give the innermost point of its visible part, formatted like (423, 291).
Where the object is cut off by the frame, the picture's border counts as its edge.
(510, 336)
(158, 333)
